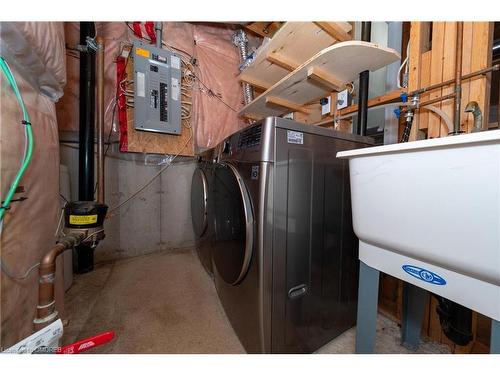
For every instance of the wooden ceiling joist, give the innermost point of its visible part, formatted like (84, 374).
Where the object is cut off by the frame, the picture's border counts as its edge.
(336, 32)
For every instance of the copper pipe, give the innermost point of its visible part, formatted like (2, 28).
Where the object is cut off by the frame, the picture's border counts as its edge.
(493, 68)
(458, 79)
(440, 99)
(100, 118)
(46, 310)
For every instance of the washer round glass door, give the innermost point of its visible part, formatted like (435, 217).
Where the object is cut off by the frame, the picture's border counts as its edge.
(234, 224)
(199, 202)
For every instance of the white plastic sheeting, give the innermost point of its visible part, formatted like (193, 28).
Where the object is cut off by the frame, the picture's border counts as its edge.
(37, 51)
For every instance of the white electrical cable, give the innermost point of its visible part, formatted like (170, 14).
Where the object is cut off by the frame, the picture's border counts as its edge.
(59, 223)
(152, 178)
(403, 64)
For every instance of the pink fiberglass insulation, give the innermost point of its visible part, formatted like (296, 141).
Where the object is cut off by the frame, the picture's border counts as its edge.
(217, 97)
(29, 226)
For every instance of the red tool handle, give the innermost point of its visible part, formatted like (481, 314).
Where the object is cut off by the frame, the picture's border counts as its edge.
(88, 343)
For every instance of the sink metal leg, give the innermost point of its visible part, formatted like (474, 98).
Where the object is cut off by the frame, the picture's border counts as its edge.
(367, 309)
(414, 300)
(495, 337)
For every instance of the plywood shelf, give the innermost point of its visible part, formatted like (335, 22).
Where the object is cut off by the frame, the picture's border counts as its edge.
(327, 71)
(293, 43)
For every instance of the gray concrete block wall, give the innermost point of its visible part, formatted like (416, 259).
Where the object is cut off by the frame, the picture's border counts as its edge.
(159, 218)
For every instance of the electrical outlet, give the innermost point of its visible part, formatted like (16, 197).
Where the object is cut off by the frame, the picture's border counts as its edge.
(342, 99)
(325, 105)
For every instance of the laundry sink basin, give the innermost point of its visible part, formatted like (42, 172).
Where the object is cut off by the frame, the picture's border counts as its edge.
(428, 212)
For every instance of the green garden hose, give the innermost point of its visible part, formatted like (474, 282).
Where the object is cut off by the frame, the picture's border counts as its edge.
(29, 135)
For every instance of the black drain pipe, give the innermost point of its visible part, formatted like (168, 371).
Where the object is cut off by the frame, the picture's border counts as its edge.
(87, 116)
(84, 261)
(364, 78)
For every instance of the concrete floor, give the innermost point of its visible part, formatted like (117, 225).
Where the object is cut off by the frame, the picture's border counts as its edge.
(165, 302)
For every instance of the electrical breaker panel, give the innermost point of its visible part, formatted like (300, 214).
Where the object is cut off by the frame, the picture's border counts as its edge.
(157, 89)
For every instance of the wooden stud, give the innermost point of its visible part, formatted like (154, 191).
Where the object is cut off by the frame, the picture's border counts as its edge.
(282, 61)
(438, 32)
(333, 103)
(334, 31)
(254, 82)
(324, 79)
(287, 104)
(466, 119)
(425, 79)
(481, 58)
(417, 38)
(449, 61)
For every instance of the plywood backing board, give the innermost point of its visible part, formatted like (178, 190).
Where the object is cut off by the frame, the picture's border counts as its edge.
(156, 143)
(294, 42)
(341, 62)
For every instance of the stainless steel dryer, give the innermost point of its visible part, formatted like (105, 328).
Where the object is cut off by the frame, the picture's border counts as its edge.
(285, 255)
(202, 208)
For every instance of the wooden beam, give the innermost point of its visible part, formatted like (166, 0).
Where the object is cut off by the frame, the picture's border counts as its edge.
(282, 61)
(334, 31)
(324, 79)
(388, 97)
(264, 29)
(251, 116)
(294, 107)
(254, 82)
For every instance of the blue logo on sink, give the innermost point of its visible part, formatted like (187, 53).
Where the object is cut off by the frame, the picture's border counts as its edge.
(424, 275)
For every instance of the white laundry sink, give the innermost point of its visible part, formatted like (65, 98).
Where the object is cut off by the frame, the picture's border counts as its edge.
(428, 212)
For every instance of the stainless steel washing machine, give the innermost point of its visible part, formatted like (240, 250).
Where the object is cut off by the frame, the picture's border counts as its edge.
(202, 208)
(285, 255)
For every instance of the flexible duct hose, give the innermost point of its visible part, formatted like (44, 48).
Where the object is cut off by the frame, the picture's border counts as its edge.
(29, 136)
(240, 40)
